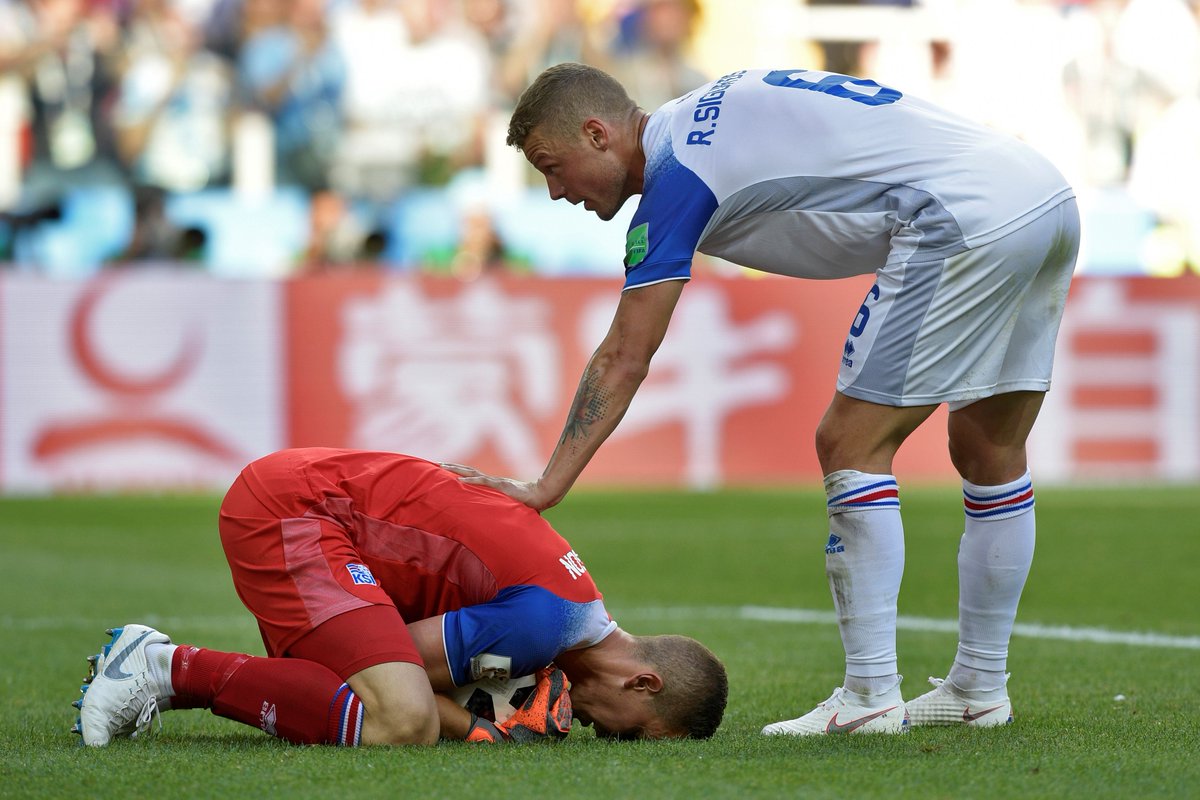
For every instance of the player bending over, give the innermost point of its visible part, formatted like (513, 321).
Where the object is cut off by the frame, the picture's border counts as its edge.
(333, 551)
(971, 237)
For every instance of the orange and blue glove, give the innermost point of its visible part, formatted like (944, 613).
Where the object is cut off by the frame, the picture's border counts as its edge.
(546, 715)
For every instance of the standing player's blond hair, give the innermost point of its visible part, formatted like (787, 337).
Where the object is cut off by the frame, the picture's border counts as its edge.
(562, 97)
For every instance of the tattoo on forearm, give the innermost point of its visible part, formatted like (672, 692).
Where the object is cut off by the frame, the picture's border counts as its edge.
(591, 404)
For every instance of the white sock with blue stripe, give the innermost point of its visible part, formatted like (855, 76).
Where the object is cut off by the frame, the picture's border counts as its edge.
(993, 562)
(864, 561)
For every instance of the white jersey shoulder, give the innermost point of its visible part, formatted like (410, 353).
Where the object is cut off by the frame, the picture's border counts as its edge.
(819, 175)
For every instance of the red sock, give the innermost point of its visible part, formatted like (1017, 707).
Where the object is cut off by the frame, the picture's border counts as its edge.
(300, 701)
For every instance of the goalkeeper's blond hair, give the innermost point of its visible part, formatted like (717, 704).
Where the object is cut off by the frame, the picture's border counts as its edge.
(695, 687)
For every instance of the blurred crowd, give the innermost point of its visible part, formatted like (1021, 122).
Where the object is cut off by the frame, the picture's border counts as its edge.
(352, 102)
(341, 109)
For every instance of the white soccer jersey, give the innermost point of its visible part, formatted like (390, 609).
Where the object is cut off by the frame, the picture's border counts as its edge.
(818, 175)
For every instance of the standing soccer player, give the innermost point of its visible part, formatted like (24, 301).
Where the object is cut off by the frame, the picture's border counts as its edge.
(972, 238)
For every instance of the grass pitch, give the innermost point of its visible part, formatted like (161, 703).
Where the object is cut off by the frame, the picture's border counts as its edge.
(1094, 720)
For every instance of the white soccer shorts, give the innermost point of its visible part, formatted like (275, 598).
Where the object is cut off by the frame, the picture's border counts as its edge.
(970, 326)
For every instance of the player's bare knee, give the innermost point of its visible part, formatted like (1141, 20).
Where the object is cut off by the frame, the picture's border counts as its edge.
(968, 461)
(410, 725)
(985, 464)
(828, 440)
(837, 451)
(398, 702)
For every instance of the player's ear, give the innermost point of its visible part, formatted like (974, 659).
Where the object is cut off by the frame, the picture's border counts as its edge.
(645, 682)
(596, 133)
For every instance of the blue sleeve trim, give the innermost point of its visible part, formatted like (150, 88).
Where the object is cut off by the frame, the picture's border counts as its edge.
(675, 208)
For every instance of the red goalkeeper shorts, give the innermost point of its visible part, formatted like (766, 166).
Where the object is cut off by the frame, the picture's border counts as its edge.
(305, 583)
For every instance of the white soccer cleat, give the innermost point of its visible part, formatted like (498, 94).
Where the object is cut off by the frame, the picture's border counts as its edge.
(946, 704)
(121, 697)
(848, 712)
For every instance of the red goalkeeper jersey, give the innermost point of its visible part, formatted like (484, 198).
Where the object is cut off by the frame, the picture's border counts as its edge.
(514, 592)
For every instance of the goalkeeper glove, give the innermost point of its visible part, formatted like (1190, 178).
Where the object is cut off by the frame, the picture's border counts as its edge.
(546, 715)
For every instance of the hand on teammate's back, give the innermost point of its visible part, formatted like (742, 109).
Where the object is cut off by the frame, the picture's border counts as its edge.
(530, 493)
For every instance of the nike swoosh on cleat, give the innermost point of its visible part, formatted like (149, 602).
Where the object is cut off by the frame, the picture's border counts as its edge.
(969, 717)
(834, 727)
(112, 669)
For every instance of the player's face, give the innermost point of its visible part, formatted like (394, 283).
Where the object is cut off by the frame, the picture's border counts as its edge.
(616, 712)
(580, 171)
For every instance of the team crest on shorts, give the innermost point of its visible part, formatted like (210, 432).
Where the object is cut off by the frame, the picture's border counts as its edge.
(360, 574)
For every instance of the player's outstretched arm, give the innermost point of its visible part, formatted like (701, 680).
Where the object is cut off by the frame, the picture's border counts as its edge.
(607, 387)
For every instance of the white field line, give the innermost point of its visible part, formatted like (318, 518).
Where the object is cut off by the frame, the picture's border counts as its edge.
(803, 616)
(790, 616)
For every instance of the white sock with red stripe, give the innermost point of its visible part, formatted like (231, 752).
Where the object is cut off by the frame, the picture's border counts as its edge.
(993, 562)
(864, 561)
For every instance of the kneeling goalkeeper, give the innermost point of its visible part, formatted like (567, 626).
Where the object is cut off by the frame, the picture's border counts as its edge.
(380, 581)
